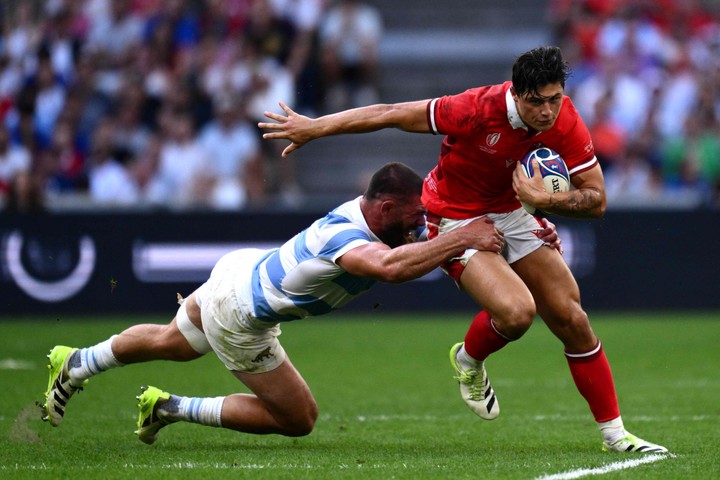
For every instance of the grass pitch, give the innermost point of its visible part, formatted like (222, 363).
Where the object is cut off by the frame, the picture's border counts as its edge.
(388, 405)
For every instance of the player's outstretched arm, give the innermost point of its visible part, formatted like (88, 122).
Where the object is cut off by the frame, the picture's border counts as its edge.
(300, 129)
(396, 265)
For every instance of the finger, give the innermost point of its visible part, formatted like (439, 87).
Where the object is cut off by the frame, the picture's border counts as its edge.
(290, 148)
(273, 135)
(276, 116)
(268, 126)
(287, 109)
(536, 168)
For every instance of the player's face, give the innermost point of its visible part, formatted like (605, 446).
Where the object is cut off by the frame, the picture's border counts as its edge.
(402, 222)
(540, 110)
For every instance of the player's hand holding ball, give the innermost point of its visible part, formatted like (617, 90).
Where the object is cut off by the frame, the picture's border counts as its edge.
(540, 174)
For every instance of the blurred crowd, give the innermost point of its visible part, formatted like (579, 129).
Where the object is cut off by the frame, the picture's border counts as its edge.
(646, 79)
(155, 103)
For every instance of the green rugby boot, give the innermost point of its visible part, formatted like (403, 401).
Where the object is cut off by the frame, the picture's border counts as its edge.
(149, 420)
(475, 388)
(631, 443)
(59, 389)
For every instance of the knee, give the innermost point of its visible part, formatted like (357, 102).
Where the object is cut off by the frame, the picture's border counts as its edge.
(573, 319)
(515, 319)
(303, 424)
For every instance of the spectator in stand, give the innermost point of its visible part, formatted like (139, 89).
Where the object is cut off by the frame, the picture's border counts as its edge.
(235, 175)
(680, 94)
(46, 91)
(63, 38)
(668, 52)
(24, 195)
(609, 138)
(259, 79)
(224, 19)
(129, 131)
(303, 62)
(349, 41)
(11, 79)
(181, 161)
(111, 184)
(20, 120)
(691, 161)
(629, 96)
(88, 99)
(62, 165)
(175, 29)
(144, 166)
(15, 162)
(273, 35)
(115, 36)
(22, 37)
(631, 35)
(632, 180)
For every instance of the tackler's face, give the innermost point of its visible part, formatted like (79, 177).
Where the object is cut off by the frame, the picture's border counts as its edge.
(402, 221)
(539, 110)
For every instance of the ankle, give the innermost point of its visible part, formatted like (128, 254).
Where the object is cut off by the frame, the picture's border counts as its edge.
(613, 430)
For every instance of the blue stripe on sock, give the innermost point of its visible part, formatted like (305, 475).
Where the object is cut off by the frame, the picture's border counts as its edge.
(84, 359)
(195, 409)
(96, 367)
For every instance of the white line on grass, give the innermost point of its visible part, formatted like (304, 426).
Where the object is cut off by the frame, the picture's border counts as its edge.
(611, 467)
(380, 417)
(13, 364)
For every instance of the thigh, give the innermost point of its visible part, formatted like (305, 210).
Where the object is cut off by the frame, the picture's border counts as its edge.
(550, 281)
(491, 282)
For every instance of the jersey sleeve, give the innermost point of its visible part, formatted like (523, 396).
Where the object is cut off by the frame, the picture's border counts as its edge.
(342, 241)
(453, 115)
(578, 150)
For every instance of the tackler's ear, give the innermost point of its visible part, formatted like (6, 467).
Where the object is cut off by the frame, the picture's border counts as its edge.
(387, 205)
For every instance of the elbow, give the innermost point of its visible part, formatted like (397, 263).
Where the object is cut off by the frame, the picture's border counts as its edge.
(597, 213)
(601, 209)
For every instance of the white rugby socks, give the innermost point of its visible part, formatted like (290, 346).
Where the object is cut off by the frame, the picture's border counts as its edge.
(466, 361)
(205, 411)
(613, 430)
(90, 361)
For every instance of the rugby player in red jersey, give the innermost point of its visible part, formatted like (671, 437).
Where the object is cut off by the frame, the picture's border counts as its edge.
(487, 131)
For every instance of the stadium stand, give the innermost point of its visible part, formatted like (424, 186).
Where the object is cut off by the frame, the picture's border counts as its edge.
(93, 90)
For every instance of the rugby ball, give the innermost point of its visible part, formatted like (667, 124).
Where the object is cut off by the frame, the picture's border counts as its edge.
(552, 168)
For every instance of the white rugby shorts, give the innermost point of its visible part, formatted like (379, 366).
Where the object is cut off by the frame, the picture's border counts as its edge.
(519, 227)
(242, 342)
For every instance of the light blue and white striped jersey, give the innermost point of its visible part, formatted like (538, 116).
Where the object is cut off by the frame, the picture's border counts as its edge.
(301, 277)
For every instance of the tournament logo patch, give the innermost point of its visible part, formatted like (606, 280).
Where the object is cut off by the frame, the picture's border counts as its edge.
(492, 138)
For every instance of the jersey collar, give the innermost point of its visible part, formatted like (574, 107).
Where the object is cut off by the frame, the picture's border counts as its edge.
(512, 113)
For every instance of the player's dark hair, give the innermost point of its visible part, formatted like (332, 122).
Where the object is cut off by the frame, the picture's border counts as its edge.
(395, 179)
(539, 67)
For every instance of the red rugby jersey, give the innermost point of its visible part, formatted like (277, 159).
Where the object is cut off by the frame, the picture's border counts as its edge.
(484, 139)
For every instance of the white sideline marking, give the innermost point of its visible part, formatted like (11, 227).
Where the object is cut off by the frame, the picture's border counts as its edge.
(612, 467)
(13, 364)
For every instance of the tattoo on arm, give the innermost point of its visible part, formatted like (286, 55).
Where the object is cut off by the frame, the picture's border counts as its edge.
(584, 202)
